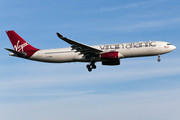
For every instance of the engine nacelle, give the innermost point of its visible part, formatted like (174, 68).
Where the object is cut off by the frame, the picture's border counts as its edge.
(111, 58)
(111, 62)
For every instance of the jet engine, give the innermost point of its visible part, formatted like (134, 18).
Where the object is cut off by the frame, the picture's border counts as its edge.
(110, 58)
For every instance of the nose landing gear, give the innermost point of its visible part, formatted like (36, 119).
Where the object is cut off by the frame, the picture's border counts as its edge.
(91, 66)
(159, 58)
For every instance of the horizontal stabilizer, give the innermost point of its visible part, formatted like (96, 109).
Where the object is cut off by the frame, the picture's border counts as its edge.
(15, 53)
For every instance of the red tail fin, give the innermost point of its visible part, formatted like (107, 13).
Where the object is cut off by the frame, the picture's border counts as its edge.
(19, 43)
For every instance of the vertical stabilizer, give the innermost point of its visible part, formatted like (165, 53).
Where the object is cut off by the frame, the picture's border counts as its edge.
(19, 44)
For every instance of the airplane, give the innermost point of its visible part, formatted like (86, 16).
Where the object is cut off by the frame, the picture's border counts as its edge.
(107, 54)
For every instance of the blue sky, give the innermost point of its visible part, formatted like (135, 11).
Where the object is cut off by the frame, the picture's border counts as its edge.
(138, 89)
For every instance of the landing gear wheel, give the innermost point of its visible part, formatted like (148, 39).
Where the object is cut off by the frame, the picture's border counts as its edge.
(89, 69)
(159, 58)
(91, 66)
(88, 66)
(94, 66)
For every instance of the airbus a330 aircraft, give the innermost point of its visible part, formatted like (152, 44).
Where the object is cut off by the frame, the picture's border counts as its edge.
(78, 52)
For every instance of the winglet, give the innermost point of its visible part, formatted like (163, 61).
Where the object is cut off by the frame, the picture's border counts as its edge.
(59, 35)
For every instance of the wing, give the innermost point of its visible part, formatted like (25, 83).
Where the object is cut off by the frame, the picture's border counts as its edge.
(79, 47)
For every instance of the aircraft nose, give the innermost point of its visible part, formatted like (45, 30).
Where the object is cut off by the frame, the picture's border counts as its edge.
(173, 47)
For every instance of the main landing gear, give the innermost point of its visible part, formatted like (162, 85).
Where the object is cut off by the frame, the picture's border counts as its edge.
(91, 66)
(159, 58)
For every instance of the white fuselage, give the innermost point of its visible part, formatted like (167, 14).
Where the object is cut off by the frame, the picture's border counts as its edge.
(125, 50)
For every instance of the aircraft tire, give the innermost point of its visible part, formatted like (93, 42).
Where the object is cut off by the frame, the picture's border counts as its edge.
(94, 66)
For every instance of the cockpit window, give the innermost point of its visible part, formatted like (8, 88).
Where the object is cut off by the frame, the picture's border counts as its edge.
(168, 44)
